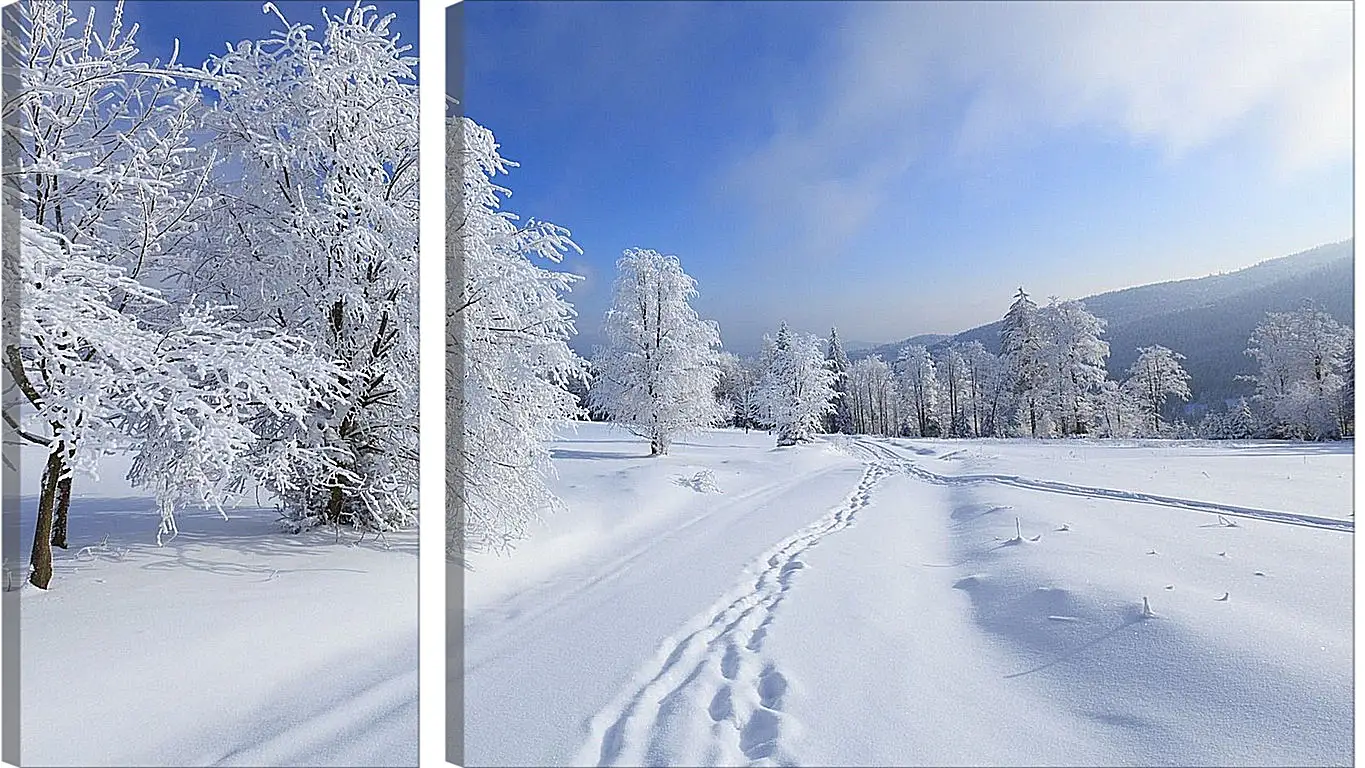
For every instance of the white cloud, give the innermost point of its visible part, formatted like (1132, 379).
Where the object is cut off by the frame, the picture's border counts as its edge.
(1181, 75)
(1176, 76)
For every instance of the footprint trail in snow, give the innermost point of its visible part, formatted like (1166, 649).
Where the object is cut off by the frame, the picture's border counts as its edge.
(714, 697)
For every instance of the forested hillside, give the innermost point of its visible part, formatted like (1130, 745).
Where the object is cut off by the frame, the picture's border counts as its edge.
(1208, 319)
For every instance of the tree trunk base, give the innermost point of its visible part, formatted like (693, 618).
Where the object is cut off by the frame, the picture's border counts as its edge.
(40, 560)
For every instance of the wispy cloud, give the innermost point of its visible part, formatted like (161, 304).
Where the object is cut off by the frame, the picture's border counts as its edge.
(963, 79)
(1180, 75)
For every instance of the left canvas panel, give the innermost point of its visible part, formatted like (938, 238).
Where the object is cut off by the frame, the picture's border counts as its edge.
(210, 357)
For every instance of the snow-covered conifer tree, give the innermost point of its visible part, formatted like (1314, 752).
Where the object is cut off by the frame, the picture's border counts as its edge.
(1238, 422)
(318, 235)
(1155, 377)
(798, 386)
(1213, 426)
(657, 370)
(509, 333)
(1022, 348)
(839, 420)
(1241, 422)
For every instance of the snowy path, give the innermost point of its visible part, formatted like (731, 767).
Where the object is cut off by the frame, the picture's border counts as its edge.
(561, 639)
(719, 668)
(906, 622)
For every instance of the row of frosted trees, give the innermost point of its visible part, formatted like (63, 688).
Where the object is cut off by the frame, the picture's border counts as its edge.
(1051, 380)
(217, 267)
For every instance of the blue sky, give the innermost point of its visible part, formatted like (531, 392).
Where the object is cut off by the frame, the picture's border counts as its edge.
(900, 168)
(204, 27)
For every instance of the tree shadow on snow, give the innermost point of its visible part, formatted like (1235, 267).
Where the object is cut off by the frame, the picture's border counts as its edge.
(569, 453)
(124, 530)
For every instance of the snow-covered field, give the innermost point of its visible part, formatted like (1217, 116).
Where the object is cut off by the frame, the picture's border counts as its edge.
(231, 644)
(869, 602)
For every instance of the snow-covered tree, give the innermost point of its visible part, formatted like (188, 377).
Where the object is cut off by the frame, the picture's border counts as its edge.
(109, 186)
(1074, 355)
(1118, 413)
(657, 370)
(1154, 378)
(797, 386)
(955, 383)
(917, 381)
(1241, 422)
(1303, 359)
(750, 411)
(875, 399)
(877, 396)
(510, 361)
(199, 402)
(1238, 422)
(577, 386)
(317, 233)
(836, 358)
(1348, 393)
(988, 391)
(1022, 349)
(1213, 426)
(732, 379)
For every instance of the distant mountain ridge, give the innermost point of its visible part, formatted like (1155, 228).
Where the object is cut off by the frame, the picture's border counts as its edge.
(1207, 319)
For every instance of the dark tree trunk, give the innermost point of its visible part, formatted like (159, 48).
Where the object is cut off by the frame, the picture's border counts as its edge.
(334, 505)
(40, 561)
(61, 506)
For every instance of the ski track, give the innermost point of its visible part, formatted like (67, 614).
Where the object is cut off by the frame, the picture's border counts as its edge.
(329, 725)
(718, 674)
(888, 453)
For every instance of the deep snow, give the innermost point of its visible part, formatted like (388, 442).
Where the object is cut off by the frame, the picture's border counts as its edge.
(232, 643)
(868, 602)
